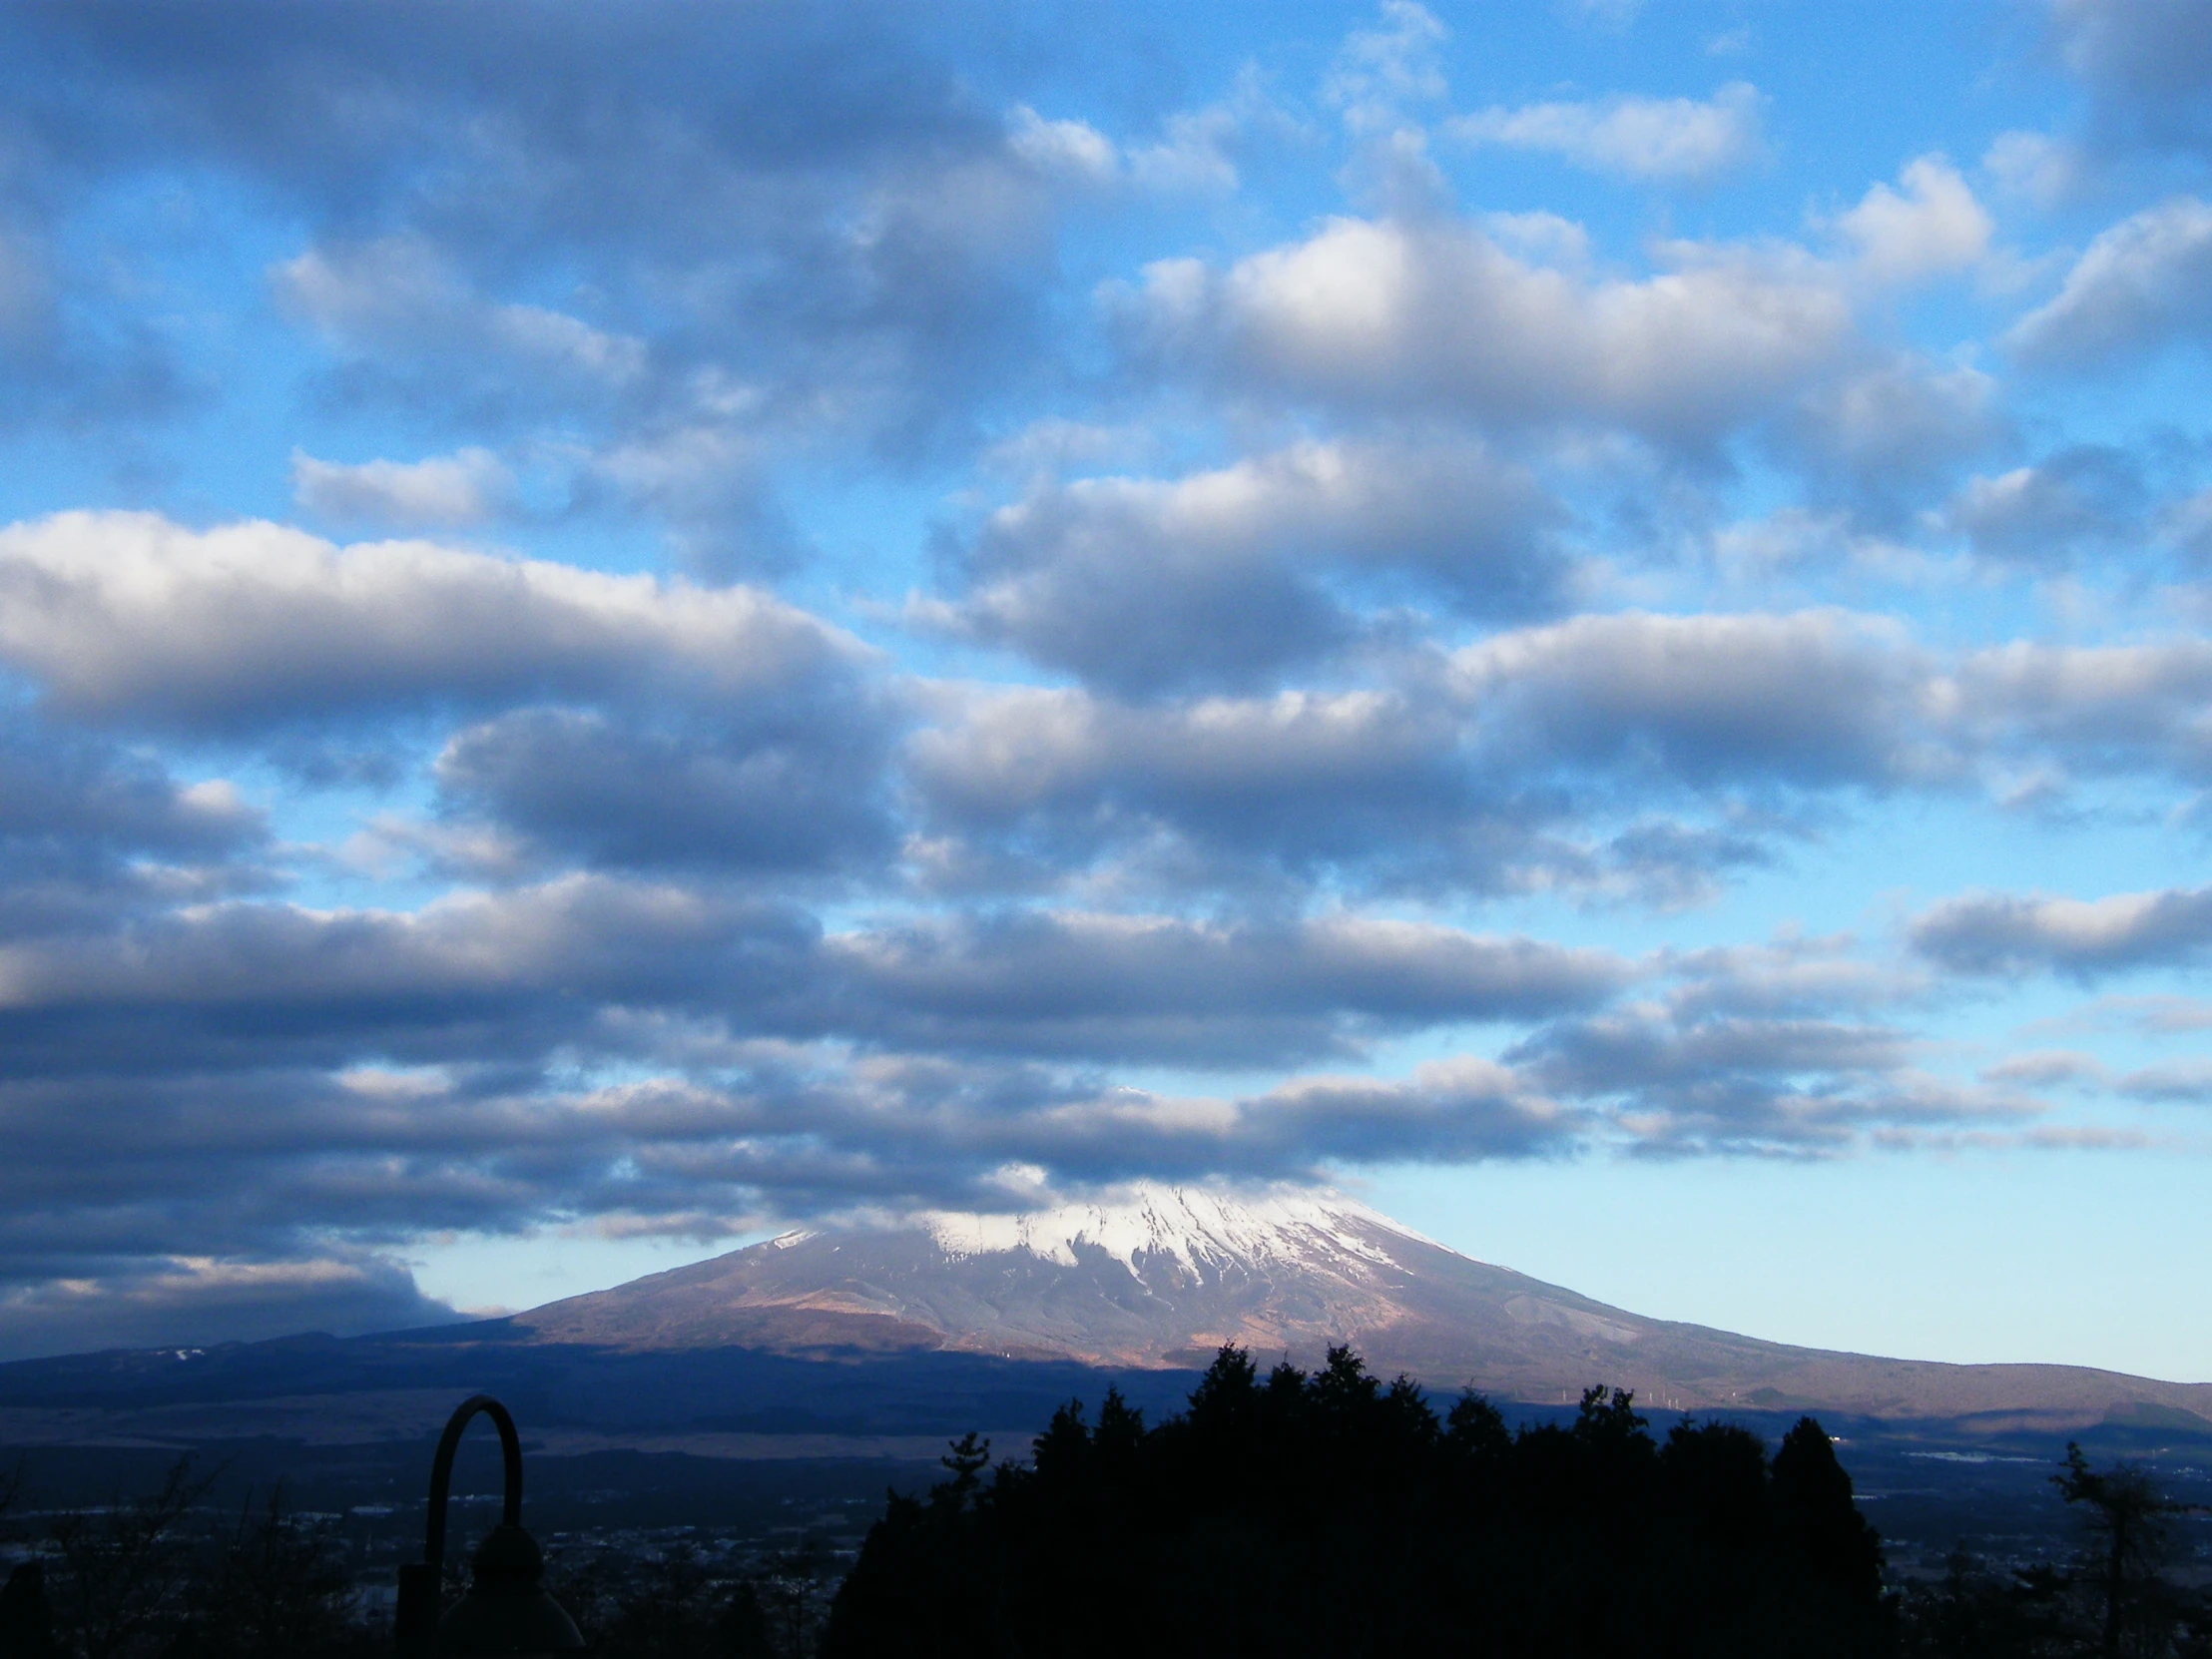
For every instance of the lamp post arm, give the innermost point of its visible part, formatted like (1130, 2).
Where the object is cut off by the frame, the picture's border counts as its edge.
(441, 1473)
(415, 1618)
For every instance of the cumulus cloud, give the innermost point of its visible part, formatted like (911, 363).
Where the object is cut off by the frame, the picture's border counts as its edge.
(2007, 933)
(2087, 496)
(398, 294)
(1887, 434)
(2143, 284)
(1299, 780)
(2107, 708)
(791, 785)
(1775, 1050)
(1814, 697)
(90, 833)
(465, 487)
(1150, 987)
(1218, 577)
(128, 616)
(1072, 148)
(1485, 770)
(1931, 226)
(550, 226)
(1494, 768)
(1437, 316)
(1672, 139)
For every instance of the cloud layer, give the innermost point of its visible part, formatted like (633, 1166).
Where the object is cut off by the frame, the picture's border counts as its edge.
(659, 620)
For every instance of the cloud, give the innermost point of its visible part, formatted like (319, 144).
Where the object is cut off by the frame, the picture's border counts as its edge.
(1354, 577)
(2143, 284)
(1932, 228)
(1299, 780)
(793, 785)
(1880, 438)
(1071, 149)
(2087, 496)
(126, 616)
(2011, 934)
(1124, 987)
(2107, 708)
(398, 295)
(466, 488)
(1770, 1050)
(89, 832)
(201, 1301)
(1499, 767)
(2149, 63)
(551, 227)
(1379, 72)
(1818, 698)
(1438, 317)
(513, 976)
(2047, 171)
(1669, 139)
(1218, 578)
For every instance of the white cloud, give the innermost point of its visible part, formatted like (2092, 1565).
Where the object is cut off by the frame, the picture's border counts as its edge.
(1066, 148)
(1429, 314)
(1192, 155)
(127, 614)
(1675, 138)
(465, 487)
(1930, 228)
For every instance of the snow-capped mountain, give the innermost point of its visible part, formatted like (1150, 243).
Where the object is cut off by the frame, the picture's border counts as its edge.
(1161, 1276)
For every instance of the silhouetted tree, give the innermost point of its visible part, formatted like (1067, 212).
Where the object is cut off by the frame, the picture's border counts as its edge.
(2128, 1519)
(26, 1622)
(123, 1576)
(275, 1588)
(1334, 1512)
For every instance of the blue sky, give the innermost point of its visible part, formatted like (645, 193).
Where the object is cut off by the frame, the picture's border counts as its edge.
(622, 626)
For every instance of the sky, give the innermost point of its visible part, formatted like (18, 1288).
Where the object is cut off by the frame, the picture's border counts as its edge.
(622, 626)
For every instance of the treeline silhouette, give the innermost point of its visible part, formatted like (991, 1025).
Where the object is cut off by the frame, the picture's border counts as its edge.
(1332, 1514)
(1280, 1514)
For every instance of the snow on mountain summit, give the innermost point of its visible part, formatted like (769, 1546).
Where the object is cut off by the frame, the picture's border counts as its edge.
(1192, 1224)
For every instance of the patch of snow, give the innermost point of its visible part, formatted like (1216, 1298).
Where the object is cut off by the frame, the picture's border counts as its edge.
(1191, 1225)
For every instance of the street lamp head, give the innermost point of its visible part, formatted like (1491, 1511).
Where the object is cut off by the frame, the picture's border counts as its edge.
(506, 1611)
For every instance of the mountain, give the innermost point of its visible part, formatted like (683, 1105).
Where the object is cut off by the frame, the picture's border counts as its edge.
(1161, 1276)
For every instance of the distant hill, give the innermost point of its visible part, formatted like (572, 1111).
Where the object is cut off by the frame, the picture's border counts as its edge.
(1165, 1276)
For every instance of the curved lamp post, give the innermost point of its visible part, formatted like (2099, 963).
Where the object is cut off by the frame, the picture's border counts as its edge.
(506, 1610)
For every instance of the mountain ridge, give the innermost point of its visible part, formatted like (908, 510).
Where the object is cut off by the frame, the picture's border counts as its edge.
(1162, 1276)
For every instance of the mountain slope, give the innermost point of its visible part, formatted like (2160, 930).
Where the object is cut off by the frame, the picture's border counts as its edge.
(1164, 1275)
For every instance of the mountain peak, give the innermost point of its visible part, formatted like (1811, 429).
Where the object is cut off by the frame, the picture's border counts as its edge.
(1196, 1227)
